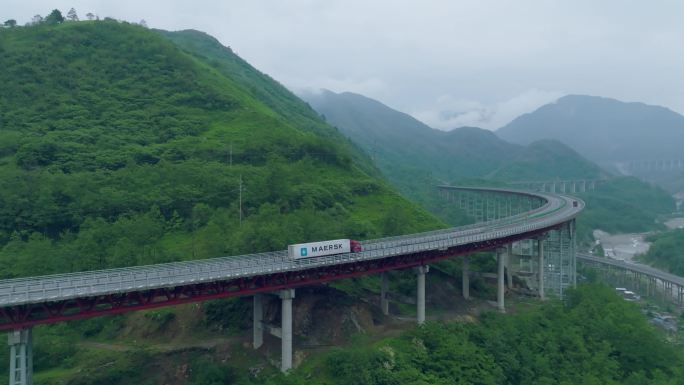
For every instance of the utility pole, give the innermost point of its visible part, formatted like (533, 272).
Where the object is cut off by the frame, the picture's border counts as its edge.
(240, 197)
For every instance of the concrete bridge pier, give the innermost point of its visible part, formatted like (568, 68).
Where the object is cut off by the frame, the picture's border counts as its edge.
(286, 297)
(284, 332)
(509, 271)
(384, 288)
(500, 259)
(21, 357)
(257, 321)
(420, 300)
(466, 278)
(540, 253)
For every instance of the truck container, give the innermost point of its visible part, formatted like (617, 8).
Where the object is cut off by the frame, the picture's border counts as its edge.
(319, 249)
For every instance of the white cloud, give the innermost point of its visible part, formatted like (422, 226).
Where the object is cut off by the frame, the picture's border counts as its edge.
(372, 87)
(449, 112)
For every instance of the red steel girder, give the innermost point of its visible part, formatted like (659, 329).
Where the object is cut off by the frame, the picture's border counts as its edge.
(87, 307)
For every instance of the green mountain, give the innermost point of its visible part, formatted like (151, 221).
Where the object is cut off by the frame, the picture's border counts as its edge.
(667, 251)
(547, 160)
(397, 141)
(415, 157)
(624, 205)
(602, 129)
(121, 145)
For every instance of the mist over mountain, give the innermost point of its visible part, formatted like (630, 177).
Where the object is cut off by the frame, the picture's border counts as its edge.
(398, 142)
(604, 130)
(416, 158)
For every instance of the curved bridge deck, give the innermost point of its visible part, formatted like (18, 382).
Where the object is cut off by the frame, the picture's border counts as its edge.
(35, 300)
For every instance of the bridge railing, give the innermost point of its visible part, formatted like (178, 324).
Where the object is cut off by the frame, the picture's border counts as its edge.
(71, 285)
(475, 226)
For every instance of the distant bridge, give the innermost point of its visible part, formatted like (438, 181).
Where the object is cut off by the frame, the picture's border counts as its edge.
(640, 166)
(570, 186)
(506, 217)
(637, 277)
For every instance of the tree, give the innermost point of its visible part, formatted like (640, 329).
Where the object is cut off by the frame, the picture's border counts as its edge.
(11, 23)
(35, 20)
(72, 16)
(55, 17)
(143, 23)
(90, 16)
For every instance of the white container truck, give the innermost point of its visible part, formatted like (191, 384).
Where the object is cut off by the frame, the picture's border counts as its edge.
(319, 249)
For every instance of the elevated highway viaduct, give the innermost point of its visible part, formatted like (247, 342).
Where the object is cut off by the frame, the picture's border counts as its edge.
(505, 219)
(640, 278)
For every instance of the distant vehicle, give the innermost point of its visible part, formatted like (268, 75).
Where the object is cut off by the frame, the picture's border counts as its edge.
(630, 296)
(323, 248)
(575, 204)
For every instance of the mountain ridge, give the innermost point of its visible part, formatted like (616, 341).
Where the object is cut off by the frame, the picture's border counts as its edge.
(415, 157)
(604, 130)
(116, 125)
(366, 120)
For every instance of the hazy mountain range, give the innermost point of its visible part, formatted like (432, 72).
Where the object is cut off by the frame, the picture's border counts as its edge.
(575, 131)
(602, 129)
(415, 158)
(399, 142)
(625, 138)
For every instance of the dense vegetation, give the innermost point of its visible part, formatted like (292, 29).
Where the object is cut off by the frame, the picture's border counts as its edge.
(624, 205)
(594, 337)
(667, 251)
(119, 148)
(547, 160)
(123, 146)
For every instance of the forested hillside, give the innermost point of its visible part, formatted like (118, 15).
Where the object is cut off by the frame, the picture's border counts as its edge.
(547, 160)
(118, 148)
(593, 337)
(122, 146)
(416, 158)
(397, 140)
(667, 251)
(624, 205)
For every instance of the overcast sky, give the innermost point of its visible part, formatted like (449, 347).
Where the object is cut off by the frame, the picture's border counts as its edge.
(448, 63)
